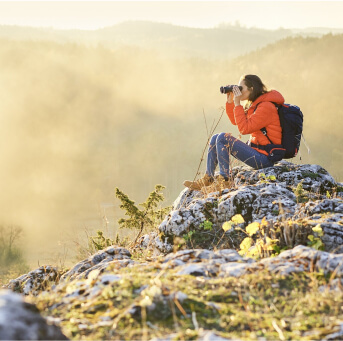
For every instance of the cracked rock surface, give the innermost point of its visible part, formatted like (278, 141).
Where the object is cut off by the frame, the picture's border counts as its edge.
(118, 256)
(35, 281)
(208, 292)
(268, 194)
(229, 263)
(44, 277)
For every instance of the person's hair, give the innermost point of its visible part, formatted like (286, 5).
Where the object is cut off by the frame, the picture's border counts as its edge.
(258, 88)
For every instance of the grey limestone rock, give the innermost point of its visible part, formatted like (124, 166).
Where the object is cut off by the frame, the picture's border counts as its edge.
(102, 266)
(313, 177)
(44, 277)
(204, 263)
(328, 213)
(185, 198)
(311, 208)
(300, 259)
(163, 246)
(227, 263)
(177, 222)
(254, 202)
(199, 255)
(233, 269)
(100, 261)
(21, 321)
(35, 281)
(267, 193)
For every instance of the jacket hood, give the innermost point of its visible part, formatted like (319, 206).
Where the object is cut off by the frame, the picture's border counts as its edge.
(271, 96)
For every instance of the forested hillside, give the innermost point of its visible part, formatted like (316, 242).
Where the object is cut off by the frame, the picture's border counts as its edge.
(78, 121)
(307, 71)
(224, 41)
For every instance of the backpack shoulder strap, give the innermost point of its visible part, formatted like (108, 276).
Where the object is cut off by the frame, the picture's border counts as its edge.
(264, 132)
(280, 113)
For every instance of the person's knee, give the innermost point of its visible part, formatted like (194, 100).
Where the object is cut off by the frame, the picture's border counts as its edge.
(223, 138)
(213, 140)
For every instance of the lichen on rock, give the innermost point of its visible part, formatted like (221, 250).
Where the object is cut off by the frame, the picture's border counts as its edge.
(198, 284)
(36, 281)
(269, 194)
(100, 260)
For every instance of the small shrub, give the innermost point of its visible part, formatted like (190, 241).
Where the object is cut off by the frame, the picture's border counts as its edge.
(142, 219)
(139, 219)
(315, 240)
(235, 221)
(266, 179)
(99, 242)
(207, 225)
(188, 236)
(12, 262)
(310, 175)
(262, 246)
(301, 194)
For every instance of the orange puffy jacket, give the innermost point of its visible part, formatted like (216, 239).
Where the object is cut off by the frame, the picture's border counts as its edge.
(251, 121)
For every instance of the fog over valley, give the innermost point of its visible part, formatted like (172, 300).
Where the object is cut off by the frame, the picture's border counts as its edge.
(83, 113)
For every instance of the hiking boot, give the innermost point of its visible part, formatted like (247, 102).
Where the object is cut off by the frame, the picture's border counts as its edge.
(219, 184)
(206, 180)
(224, 183)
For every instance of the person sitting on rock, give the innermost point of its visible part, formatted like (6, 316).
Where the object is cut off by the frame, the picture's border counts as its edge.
(259, 113)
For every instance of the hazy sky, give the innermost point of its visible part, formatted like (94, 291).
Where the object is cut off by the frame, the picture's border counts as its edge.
(92, 15)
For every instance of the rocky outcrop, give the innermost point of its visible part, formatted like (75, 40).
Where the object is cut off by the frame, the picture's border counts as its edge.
(226, 263)
(44, 277)
(20, 320)
(275, 194)
(116, 257)
(213, 291)
(35, 281)
(328, 213)
(191, 284)
(203, 262)
(314, 178)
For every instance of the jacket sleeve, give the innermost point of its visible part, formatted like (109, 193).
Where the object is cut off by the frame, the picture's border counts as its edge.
(261, 118)
(229, 112)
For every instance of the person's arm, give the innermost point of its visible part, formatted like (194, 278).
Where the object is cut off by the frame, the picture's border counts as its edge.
(261, 118)
(258, 120)
(230, 107)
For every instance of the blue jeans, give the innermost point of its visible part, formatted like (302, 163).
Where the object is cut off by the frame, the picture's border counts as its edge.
(222, 145)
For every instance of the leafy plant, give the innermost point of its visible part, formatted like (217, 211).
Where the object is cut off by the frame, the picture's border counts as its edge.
(235, 221)
(315, 240)
(310, 175)
(100, 242)
(300, 193)
(207, 225)
(266, 239)
(93, 244)
(188, 236)
(262, 246)
(145, 218)
(266, 179)
(12, 262)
